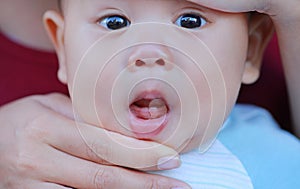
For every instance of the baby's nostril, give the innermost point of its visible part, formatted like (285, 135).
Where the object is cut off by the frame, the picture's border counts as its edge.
(149, 61)
(139, 63)
(160, 62)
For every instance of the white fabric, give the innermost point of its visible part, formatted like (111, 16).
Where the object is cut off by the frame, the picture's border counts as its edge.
(215, 169)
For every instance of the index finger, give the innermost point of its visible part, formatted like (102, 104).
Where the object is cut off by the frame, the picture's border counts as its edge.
(87, 174)
(233, 5)
(98, 145)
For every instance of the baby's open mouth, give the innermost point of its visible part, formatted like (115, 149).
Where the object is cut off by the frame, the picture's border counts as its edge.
(148, 115)
(149, 108)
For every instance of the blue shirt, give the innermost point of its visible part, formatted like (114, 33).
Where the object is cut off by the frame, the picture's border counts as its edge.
(270, 155)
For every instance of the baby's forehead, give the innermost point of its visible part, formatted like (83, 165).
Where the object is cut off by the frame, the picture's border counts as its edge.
(130, 4)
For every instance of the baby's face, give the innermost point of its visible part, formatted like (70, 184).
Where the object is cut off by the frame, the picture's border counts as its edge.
(167, 71)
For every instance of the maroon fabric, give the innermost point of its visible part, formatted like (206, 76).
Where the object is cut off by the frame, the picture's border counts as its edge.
(25, 71)
(270, 90)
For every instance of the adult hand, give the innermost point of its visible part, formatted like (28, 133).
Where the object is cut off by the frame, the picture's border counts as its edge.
(286, 10)
(41, 147)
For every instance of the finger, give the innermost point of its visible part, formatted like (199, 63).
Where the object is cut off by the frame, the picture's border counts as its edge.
(233, 5)
(78, 173)
(96, 144)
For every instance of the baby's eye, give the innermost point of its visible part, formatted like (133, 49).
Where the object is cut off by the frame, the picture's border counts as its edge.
(114, 22)
(190, 21)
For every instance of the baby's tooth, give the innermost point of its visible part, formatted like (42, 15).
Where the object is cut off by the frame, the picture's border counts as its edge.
(156, 112)
(156, 103)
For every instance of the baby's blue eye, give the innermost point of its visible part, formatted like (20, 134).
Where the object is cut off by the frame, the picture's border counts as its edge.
(190, 21)
(115, 22)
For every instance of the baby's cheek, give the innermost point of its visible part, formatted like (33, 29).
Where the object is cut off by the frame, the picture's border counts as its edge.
(193, 143)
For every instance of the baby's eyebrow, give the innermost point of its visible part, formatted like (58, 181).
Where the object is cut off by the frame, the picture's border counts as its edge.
(199, 5)
(196, 2)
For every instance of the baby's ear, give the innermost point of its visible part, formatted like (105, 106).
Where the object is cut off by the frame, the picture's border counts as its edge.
(260, 32)
(54, 24)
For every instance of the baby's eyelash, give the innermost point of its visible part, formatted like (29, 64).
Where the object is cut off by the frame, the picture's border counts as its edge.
(114, 22)
(188, 20)
(191, 20)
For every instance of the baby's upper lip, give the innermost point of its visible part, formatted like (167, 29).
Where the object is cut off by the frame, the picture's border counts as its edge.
(149, 95)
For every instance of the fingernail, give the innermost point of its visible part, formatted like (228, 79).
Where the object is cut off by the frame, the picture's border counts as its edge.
(168, 163)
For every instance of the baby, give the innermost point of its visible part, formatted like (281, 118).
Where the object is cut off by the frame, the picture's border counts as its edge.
(170, 71)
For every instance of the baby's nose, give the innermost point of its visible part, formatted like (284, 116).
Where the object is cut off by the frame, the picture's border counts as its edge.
(149, 55)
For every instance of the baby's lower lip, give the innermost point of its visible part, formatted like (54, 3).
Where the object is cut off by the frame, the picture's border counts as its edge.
(148, 116)
(147, 129)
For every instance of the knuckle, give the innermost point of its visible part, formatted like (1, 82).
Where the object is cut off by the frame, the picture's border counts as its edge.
(28, 137)
(156, 183)
(26, 163)
(35, 127)
(105, 178)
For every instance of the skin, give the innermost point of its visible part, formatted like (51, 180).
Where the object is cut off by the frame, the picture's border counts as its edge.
(56, 109)
(78, 28)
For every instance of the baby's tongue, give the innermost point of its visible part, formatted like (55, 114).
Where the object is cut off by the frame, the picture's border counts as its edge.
(149, 108)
